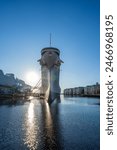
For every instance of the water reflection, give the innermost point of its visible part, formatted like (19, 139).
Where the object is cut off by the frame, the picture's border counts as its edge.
(49, 126)
(81, 101)
(34, 125)
(31, 114)
(31, 128)
(48, 117)
(40, 130)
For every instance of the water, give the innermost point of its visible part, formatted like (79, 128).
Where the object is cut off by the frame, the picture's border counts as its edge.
(73, 124)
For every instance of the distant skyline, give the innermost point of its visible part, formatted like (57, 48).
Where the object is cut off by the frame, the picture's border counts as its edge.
(75, 27)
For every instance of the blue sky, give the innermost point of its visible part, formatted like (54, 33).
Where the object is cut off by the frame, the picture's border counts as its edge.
(25, 26)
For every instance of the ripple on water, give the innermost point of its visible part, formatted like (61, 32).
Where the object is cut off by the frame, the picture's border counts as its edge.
(32, 125)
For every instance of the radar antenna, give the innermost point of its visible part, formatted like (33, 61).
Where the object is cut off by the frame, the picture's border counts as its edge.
(50, 40)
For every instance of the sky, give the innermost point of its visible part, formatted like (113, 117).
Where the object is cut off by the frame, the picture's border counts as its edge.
(25, 27)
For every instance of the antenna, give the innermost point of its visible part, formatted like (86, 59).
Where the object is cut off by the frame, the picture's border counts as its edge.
(50, 39)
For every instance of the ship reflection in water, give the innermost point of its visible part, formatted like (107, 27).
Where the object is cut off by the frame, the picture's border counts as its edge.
(33, 125)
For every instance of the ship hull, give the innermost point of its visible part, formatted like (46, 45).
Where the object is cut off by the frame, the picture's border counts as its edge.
(53, 91)
(52, 96)
(50, 68)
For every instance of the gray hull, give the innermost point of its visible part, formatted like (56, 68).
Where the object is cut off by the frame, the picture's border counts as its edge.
(50, 69)
(53, 91)
(52, 96)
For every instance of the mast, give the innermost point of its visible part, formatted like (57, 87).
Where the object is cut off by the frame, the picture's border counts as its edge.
(50, 40)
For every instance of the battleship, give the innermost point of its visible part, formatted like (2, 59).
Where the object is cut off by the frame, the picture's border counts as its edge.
(50, 70)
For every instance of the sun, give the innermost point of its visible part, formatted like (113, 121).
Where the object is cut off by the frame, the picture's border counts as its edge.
(32, 78)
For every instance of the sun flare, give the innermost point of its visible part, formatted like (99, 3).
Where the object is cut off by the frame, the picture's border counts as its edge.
(32, 78)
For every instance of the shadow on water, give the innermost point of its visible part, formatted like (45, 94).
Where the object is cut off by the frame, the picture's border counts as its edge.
(14, 102)
(51, 126)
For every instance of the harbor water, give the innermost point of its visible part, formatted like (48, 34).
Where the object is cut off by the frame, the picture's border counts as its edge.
(72, 124)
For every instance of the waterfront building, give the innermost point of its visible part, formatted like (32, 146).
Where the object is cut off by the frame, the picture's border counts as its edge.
(9, 84)
(74, 91)
(79, 90)
(90, 90)
(70, 91)
(6, 90)
(87, 90)
(96, 89)
(66, 91)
